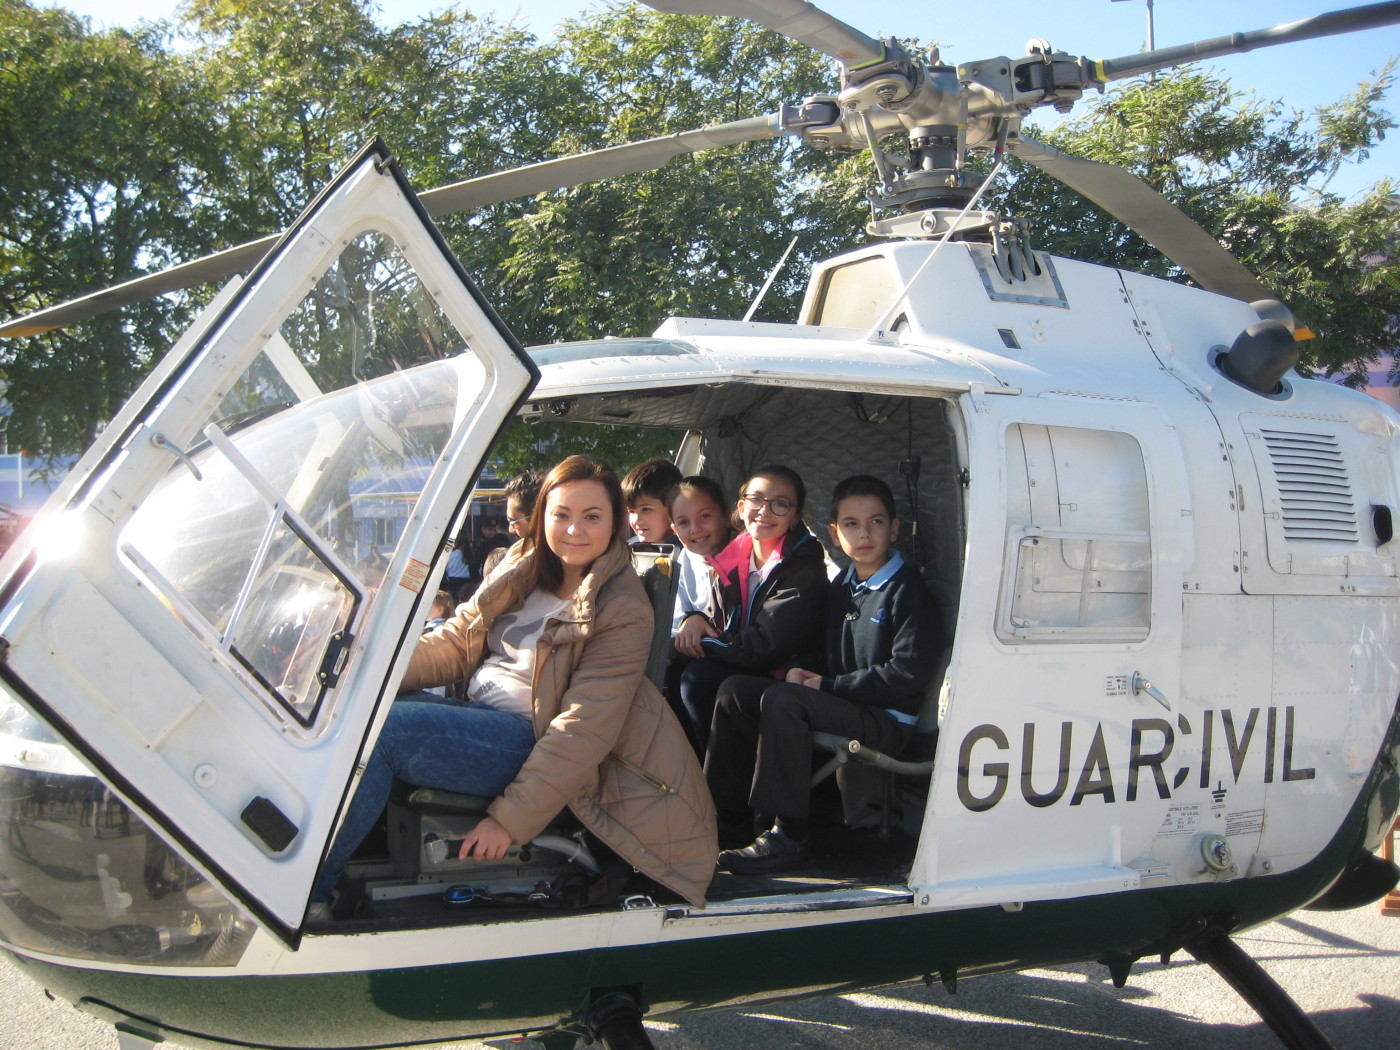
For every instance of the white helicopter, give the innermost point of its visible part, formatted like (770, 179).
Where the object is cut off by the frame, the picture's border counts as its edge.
(1168, 565)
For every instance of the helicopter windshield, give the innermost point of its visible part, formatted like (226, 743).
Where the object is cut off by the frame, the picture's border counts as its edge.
(81, 875)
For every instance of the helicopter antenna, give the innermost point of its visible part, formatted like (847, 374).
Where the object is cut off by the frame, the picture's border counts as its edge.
(772, 276)
(877, 330)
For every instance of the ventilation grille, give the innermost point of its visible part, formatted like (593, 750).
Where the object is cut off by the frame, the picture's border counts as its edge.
(1314, 490)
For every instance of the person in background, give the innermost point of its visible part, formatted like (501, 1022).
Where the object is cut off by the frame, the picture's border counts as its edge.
(443, 604)
(493, 537)
(372, 568)
(645, 489)
(559, 710)
(521, 493)
(439, 611)
(882, 646)
(768, 591)
(701, 524)
(458, 575)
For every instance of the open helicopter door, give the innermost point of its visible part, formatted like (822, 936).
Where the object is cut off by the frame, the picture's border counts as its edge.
(1055, 761)
(213, 612)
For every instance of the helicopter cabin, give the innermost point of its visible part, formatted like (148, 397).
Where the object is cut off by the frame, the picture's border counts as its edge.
(1081, 419)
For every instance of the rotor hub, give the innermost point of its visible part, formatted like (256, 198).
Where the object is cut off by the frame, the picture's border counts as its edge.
(918, 190)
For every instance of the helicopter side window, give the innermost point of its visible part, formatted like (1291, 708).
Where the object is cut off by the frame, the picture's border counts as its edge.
(856, 295)
(1079, 547)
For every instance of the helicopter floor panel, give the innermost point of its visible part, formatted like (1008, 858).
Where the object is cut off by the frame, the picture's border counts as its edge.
(843, 858)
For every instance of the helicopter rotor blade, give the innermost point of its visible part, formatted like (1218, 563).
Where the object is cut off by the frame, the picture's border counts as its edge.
(186, 275)
(795, 19)
(1350, 20)
(595, 165)
(1154, 218)
(499, 186)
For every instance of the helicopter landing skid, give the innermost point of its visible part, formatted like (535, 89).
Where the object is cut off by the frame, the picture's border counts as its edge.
(615, 1020)
(1276, 1007)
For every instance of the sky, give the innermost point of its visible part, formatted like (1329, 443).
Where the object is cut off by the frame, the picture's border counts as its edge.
(1301, 75)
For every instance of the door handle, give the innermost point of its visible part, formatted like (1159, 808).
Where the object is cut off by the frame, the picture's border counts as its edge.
(1142, 685)
(161, 441)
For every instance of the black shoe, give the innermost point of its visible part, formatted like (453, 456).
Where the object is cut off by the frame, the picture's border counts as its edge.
(768, 854)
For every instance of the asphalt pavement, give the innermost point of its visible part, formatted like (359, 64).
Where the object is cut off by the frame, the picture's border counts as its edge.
(1343, 968)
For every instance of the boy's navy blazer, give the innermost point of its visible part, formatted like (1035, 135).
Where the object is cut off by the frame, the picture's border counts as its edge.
(882, 645)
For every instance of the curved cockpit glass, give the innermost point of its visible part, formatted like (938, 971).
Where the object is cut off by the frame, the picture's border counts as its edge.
(83, 876)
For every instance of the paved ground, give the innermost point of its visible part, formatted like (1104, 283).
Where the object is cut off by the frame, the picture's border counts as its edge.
(1343, 968)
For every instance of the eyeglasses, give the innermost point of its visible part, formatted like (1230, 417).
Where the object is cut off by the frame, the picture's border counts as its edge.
(780, 506)
(522, 520)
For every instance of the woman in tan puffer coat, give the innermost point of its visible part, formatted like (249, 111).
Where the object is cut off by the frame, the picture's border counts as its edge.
(560, 713)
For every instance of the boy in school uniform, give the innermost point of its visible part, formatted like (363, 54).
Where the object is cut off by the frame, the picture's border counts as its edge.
(646, 489)
(882, 644)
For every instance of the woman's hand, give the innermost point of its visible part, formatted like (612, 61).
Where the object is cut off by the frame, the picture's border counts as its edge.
(800, 677)
(489, 840)
(693, 628)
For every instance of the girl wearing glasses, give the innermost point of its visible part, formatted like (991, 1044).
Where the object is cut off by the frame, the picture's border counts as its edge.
(768, 593)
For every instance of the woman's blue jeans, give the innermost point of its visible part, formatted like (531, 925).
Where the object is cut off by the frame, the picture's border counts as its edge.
(429, 741)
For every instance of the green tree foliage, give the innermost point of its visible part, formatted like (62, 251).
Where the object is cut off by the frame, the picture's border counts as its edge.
(538, 445)
(108, 175)
(303, 84)
(306, 83)
(1256, 177)
(141, 154)
(697, 237)
(694, 238)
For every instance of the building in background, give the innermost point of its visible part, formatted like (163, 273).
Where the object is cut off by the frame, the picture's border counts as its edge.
(1380, 386)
